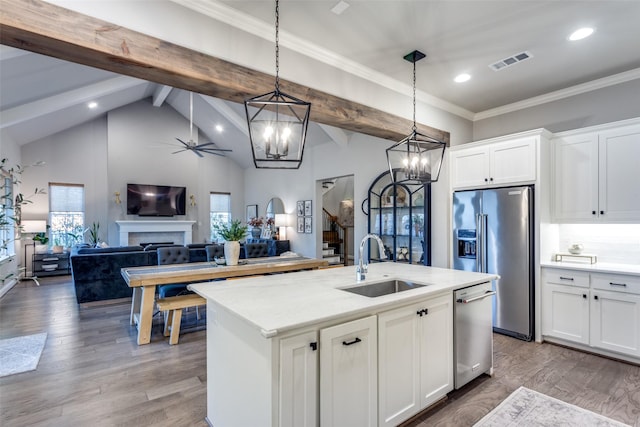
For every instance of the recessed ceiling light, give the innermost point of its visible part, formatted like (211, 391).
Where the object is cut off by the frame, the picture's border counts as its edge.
(581, 34)
(461, 78)
(92, 105)
(219, 128)
(340, 7)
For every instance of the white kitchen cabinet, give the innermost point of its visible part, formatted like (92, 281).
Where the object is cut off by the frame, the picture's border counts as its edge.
(349, 380)
(415, 350)
(596, 174)
(615, 313)
(298, 382)
(498, 163)
(565, 305)
(598, 310)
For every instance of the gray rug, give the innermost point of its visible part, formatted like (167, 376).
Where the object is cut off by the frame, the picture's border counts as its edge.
(21, 354)
(526, 407)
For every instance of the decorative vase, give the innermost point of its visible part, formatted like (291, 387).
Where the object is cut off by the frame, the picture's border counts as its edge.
(231, 252)
(57, 249)
(256, 232)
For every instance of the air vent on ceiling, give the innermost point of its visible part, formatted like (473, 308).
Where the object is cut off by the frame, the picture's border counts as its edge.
(519, 57)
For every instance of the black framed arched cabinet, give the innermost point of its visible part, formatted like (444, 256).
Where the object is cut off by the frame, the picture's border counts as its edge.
(401, 215)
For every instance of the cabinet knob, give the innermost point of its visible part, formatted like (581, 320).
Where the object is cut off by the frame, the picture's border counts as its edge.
(601, 212)
(486, 180)
(593, 212)
(584, 296)
(490, 179)
(595, 297)
(314, 346)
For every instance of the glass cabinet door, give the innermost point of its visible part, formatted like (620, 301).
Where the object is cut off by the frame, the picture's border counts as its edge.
(399, 214)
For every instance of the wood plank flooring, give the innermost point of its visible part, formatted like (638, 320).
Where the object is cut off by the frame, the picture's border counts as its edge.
(92, 373)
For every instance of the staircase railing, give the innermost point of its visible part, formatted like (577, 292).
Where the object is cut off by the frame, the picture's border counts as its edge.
(334, 232)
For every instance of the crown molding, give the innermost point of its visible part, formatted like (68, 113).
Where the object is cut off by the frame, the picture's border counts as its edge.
(560, 94)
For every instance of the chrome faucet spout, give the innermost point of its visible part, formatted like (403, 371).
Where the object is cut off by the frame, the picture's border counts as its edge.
(362, 267)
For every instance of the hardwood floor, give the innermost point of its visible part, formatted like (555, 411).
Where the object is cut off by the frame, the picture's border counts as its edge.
(92, 373)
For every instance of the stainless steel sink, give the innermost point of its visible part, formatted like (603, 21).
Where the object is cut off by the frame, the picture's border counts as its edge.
(379, 289)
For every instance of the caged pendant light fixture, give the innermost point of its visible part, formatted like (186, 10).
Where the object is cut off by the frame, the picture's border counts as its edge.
(277, 124)
(416, 159)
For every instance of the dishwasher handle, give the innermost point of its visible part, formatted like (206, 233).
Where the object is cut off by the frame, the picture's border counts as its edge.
(479, 297)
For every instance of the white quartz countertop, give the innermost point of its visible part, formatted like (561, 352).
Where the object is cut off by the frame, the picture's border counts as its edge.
(282, 302)
(598, 267)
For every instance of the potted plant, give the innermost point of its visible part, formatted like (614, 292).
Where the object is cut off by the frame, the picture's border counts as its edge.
(94, 234)
(57, 247)
(232, 234)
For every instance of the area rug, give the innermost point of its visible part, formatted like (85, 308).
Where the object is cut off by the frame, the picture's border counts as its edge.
(526, 407)
(21, 354)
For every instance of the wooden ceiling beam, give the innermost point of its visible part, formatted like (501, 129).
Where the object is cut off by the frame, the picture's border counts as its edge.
(55, 31)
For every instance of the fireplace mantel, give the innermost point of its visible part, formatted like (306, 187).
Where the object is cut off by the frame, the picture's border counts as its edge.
(155, 226)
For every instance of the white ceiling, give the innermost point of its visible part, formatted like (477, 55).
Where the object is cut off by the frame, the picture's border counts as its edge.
(40, 95)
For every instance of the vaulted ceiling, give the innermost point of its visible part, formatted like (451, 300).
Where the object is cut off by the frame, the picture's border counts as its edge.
(40, 95)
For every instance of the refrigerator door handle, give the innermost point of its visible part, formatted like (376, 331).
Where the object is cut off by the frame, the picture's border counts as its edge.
(479, 247)
(484, 242)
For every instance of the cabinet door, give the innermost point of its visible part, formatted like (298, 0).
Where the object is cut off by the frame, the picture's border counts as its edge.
(565, 312)
(575, 178)
(348, 384)
(615, 322)
(513, 161)
(298, 383)
(469, 167)
(399, 365)
(436, 349)
(619, 151)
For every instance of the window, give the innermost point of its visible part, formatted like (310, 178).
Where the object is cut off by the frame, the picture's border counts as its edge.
(66, 213)
(219, 212)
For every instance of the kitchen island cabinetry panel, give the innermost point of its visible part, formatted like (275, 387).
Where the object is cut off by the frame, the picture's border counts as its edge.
(349, 380)
(595, 175)
(299, 380)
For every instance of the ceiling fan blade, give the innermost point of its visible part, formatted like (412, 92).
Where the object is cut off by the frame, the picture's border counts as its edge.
(184, 143)
(214, 149)
(180, 151)
(206, 144)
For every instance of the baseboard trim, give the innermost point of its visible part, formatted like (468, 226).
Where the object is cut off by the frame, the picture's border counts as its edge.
(6, 286)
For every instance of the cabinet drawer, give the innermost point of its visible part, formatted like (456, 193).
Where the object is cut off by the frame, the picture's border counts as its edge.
(567, 277)
(616, 282)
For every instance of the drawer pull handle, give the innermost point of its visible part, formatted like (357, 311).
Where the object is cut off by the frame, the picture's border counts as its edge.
(584, 296)
(355, 341)
(566, 278)
(624, 285)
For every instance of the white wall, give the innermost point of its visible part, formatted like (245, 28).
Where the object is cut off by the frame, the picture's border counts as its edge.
(600, 106)
(613, 243)
(130, 145)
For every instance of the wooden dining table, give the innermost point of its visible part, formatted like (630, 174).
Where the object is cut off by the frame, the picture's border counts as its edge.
(143, 280)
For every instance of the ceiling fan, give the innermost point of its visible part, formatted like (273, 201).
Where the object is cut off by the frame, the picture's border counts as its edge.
(191, 145)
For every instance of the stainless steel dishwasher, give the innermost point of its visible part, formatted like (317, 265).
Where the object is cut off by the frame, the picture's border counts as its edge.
(472, 330)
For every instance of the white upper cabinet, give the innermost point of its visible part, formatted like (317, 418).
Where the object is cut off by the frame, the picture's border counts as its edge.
(488, 163)
(595, 176)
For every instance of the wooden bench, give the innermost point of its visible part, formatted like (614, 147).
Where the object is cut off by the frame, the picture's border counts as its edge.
(172, 306)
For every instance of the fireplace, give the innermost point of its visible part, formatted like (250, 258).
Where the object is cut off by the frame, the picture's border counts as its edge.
(134, 232)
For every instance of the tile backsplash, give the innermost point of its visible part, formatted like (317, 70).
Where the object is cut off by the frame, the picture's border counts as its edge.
(613, 243)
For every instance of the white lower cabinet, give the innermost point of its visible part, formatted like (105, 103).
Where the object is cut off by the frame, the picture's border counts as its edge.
(615, 322)
(298, 382)
(349, 380)
(599, 310)
(415, 350)
(566, 312)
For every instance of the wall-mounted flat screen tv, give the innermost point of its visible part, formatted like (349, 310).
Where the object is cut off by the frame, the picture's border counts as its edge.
(155, 200)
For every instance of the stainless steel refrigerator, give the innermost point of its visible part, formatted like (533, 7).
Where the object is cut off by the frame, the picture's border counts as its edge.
(493, 233)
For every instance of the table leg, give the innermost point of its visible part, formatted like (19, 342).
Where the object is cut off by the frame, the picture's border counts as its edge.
(146, 314)
(136, 298)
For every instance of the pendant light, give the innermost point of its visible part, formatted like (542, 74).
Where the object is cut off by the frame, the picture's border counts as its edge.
(277, 124)
(416, 159)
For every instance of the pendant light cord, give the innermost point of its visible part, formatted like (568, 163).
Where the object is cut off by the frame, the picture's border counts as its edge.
(414, 95)
(277, 47)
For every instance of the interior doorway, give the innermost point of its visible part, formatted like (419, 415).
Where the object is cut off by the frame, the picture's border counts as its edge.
(337, 219)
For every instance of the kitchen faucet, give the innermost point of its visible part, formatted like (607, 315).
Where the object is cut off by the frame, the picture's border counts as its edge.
(362, 267)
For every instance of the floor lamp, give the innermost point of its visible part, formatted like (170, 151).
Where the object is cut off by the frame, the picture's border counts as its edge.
(31, 227)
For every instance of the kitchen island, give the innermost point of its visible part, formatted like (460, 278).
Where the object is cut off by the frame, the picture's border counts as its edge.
(296, 349)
